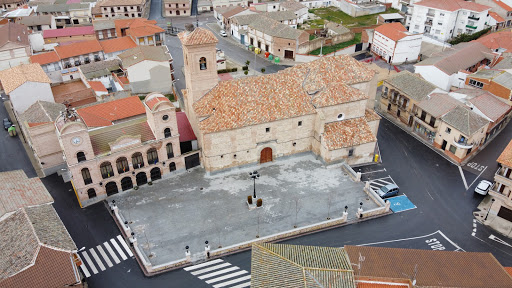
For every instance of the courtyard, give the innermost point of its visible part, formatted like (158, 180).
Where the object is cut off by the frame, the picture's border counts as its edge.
(194, 207)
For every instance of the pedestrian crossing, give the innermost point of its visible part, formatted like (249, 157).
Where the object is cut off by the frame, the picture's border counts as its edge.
(219, 274)
(104, 255)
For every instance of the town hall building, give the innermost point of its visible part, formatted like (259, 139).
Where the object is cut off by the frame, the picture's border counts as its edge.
(319, 106)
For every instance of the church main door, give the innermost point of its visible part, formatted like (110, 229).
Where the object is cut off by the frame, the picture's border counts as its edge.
(266, 155)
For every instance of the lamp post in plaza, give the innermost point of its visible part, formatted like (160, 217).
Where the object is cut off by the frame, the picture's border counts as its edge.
(254, 175)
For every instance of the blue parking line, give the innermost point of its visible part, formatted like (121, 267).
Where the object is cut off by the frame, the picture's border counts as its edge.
(400, 203)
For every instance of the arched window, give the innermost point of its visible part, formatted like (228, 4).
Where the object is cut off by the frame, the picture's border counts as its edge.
(137, 160)
(202, 63)
(80, 156)
(170, 152)
(167, 132)
(87, 176)
(122, 165)
(106, 170)
(91, 193)
(152, 156)
(172, 166)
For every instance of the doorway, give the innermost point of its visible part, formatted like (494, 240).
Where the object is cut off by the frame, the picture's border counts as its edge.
(288, 54)
(111, 188)
(141, 178)
(126, 183)
(192, 161)
(443, 147)
(266, 155)
(155, 174)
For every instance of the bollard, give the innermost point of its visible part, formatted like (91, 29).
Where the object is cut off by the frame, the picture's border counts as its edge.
(207, 250)
(359, 213)
(187, 254)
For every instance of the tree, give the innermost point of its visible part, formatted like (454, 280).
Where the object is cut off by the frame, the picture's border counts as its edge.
(247, 63)
(262, 70)
(246, 72)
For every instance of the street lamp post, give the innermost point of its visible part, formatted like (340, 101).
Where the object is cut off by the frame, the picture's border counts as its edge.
(254, 175)
(489, 209)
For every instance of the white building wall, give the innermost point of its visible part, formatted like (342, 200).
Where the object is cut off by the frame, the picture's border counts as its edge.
(28, 93)
(407, 49)
(433, 75)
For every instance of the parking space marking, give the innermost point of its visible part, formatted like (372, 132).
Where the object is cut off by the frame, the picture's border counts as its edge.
(375, 184)
(463, 178)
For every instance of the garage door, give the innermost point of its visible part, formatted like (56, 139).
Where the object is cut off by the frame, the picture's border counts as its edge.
(192, 161)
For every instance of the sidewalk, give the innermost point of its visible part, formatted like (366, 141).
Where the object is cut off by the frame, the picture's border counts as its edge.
(186, 210)
(496, 223)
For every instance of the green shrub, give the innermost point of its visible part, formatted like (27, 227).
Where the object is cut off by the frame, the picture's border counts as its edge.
(246, 72)
(468, 37)
(245, 68)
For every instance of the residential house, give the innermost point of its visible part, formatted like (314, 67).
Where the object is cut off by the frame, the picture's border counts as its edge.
(71, 34)
(239, 26)
(443, 19)
(500, 7)
(286, 17)
(49, 61)
(497, 82)
(225, 14)
(141, 30)
(67, 15)
(317, 3)
(122, 8)
(79, 53)
(229, 3)
(102, 72)
(401, 93)
(38, 23)
(23, 80)
(318, 106)
(99, 89)
(395, 44)
(120, 144)
(300, 10)
(14, 45)
(104, 29)
(279, 39)
(500, 42)
(496, 21)
(9, 5)
(266, 6)
(177, 8)
(501, 191)
(204, 6)
(38, 127)
(114, 47)
(37, 250)
(148, 68)
(449, 68)
(73, 93)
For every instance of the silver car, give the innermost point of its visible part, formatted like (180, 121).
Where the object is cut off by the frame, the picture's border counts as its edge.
(388, 191)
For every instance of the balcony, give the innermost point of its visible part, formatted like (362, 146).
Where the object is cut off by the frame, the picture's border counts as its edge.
(500, 177)
(463, 144)
(431, 13)
(425, 124)
(429, 23)
(471, 27)
(473, 17)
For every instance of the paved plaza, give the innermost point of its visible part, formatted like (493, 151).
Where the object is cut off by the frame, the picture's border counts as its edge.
(193, 207)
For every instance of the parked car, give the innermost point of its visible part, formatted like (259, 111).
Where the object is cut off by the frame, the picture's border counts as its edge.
(388, 191)
(7, 123)
(223, 33)
(483, 187)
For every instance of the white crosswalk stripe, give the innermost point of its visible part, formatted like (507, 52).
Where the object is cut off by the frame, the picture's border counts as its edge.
(215, 273)
(118, 249)
(89, 262)
(123, 243)
(203, 265)
(226, 277)
(107, 252)
(224, 284)
(111, 252)
(95, 256)
(210, 269)
(104, 255)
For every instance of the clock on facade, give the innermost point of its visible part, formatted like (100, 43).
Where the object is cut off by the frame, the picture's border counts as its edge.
(76, 140)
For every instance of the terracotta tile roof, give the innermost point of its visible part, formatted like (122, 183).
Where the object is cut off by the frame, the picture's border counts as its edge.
(104, 114)
(289, 93)
(235, 10)
(142, 27)
(52, 268)
(275, 28)
(184, 128)
(45, 58)
(67, 32)
(453, 5)
(155, 100)
(465, 120)
(502, 5)
(496, 17)
(101, 138)
(491, 106)
(10, 32)
(141, 53)
(42, 112)
(77, 49)
(435, 268)
(98, 86)
(438, 104)
(347, 133)
(73, 93)
(117, 44)
(370, 115)
(509, 270)
(502, 39)
(394, 31)
(505, 157)
(15, 77)
(412, 85)
(199, 36)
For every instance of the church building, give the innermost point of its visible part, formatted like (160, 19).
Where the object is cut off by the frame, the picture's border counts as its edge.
(319, 106)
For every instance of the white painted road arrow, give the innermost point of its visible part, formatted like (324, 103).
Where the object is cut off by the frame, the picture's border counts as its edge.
(492, 237)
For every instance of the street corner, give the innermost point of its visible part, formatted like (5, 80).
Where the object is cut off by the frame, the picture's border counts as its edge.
(433, 241)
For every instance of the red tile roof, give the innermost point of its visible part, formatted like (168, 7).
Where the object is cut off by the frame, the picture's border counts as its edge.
(347, 133)
(73, 93)
(502, 39)
(117, 44)
(45, 58)
(394, 31)
(509, 270)
(184, 128)
(453, 5)
(491, 106)
(98, 86)
(502, 5)
(496, 17)
(66, 32)
(199, 36)
(155, 100)
(505, 157)
(105, 114)
(77, 49)
(141, 28)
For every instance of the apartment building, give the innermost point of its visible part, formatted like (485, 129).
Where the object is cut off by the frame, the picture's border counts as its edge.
(502, 188)
(177, 7)
(67, 15)
(395, 44)
(443, 20)
(121, 8)
(9, 5)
